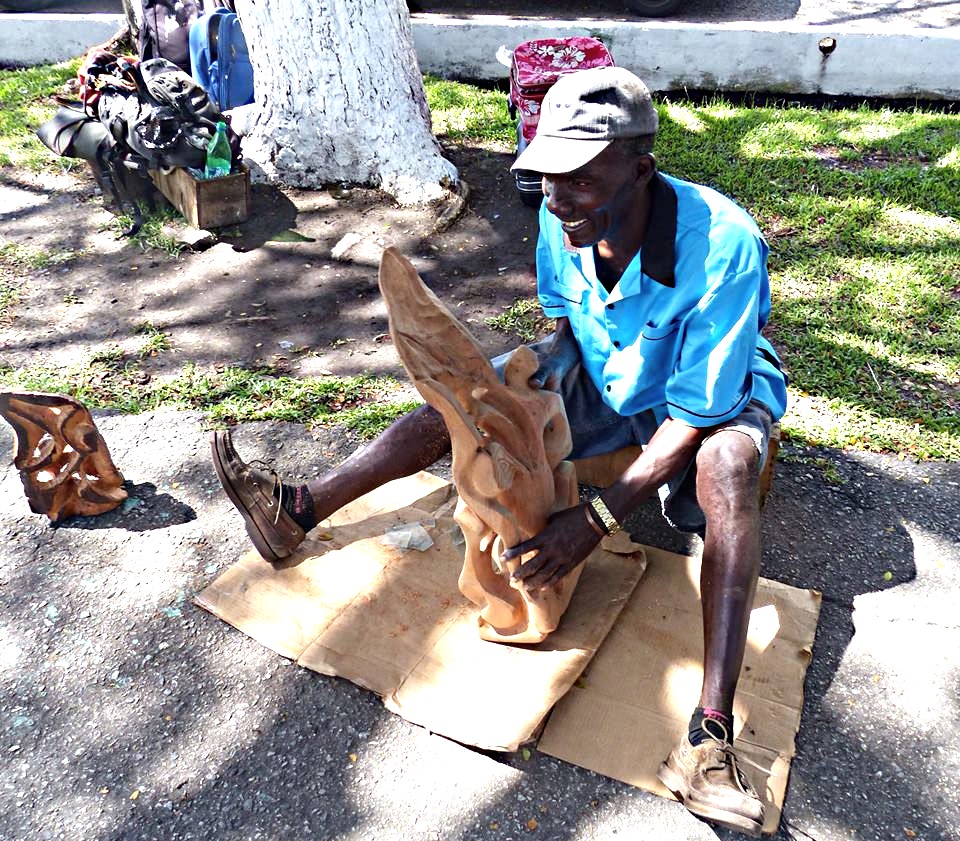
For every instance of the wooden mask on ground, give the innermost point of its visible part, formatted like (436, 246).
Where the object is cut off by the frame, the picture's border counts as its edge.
(509, 441)
(63, 460)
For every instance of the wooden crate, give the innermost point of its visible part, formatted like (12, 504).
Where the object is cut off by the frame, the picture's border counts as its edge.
(209, 203)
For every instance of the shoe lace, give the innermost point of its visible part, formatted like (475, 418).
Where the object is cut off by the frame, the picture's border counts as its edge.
(721, 737)
(277, 483)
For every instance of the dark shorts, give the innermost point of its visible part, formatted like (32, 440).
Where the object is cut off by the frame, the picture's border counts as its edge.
(597, 429)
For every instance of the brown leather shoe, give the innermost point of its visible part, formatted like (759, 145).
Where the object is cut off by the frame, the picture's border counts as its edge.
(272, 530)
(710, 783)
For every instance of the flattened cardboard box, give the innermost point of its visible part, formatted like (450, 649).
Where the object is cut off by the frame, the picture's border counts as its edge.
(633, 704)
(394, 621)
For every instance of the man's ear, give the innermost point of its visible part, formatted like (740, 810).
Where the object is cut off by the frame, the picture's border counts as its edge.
(646, 167)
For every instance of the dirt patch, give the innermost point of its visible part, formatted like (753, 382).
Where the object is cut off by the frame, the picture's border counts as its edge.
(261, 295)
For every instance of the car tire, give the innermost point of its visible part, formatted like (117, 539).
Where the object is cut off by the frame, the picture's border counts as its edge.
(654, 8)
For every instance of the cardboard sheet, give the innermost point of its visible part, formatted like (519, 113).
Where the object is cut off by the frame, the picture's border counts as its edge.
(393, 620)
(633, 703)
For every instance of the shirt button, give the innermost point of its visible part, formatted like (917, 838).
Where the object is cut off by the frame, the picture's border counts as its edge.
(609, 388)
(609, 306)
(616, 344)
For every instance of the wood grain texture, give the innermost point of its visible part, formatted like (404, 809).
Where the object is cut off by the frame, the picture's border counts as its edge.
(63, 460)
(509, 443)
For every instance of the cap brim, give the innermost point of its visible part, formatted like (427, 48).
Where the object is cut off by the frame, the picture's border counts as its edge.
(558, 154)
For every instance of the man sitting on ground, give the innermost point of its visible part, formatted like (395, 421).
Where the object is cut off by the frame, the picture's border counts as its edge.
(659, 289)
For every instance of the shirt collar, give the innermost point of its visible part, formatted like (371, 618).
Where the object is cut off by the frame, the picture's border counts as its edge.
(657, 257)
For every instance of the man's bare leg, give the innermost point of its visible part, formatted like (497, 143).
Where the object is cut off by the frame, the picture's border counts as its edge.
(727, 475)
(703, 770)
(277, 516)
(412, 443)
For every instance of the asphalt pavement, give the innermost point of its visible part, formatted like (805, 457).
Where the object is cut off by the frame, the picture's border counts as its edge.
(885, 15)
(128, 714)
(131, 715)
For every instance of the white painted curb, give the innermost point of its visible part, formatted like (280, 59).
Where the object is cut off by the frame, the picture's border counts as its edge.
(38, 38)
(668, 56)
(673, 56)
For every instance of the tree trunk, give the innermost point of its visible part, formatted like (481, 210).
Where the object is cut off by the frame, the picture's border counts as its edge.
(339, 98)
(134, 12)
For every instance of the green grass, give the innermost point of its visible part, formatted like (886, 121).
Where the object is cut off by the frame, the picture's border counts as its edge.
(524, 319)
(16, 261)
(107, 379)
(24, 104)
(151, 235)
(18, 257)
(465, 112)
(9, 295)
(861, 208)
(155, 341)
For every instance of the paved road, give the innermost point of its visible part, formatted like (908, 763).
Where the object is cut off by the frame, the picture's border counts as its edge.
(882, 16)
(852, 14)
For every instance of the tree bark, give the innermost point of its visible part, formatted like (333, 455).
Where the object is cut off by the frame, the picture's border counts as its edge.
(339, 98)
(134, 13)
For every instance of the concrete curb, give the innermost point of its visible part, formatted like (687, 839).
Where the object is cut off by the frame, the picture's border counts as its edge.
(37, 38)
(669, 56)
(743, 57)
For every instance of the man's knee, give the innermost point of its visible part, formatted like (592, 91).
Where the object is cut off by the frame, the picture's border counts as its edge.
(728, 464)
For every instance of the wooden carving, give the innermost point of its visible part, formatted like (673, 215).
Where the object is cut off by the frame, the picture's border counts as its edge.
(63, 460)
(509, 441)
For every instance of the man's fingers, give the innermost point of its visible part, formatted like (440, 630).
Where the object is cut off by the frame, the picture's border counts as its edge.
(530, 568)
(518, 550)
(546, 576)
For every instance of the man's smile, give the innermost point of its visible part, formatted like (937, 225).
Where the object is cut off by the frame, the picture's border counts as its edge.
(574, 225)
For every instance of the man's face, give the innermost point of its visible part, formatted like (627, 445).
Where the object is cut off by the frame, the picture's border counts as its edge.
(594, 202)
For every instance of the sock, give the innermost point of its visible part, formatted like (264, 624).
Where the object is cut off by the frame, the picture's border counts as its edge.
(697, 734)
(298, 503)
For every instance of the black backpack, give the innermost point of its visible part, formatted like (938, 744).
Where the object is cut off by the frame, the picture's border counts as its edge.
(165, 30)
(135, 117)
(167, 121)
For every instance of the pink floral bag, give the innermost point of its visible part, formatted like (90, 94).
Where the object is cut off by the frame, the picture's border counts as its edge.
(536, 65)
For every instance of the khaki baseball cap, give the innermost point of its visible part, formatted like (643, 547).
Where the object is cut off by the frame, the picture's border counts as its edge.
(583, 113)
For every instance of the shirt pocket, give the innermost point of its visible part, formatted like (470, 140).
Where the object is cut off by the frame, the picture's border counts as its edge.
(654, 333)
(571, 293)
(571, 298)
(657, 344)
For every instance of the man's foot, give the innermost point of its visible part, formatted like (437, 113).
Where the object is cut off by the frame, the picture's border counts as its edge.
(273, 531)
(710, 783)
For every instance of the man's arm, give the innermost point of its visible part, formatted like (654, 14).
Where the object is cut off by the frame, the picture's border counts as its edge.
(568, 538)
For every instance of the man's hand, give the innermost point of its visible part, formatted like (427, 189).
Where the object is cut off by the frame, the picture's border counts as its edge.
(558, 360)
(563, 544)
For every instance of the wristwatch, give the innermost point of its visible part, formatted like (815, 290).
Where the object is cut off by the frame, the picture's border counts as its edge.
(607, 520)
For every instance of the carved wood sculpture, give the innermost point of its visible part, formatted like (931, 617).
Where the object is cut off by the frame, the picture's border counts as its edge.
(63, 460)
(509, 442)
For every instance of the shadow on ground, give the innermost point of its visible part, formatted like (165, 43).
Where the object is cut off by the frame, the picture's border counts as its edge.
(153, 720)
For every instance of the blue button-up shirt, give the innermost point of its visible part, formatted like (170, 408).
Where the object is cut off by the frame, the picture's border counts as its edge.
(680, 331)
